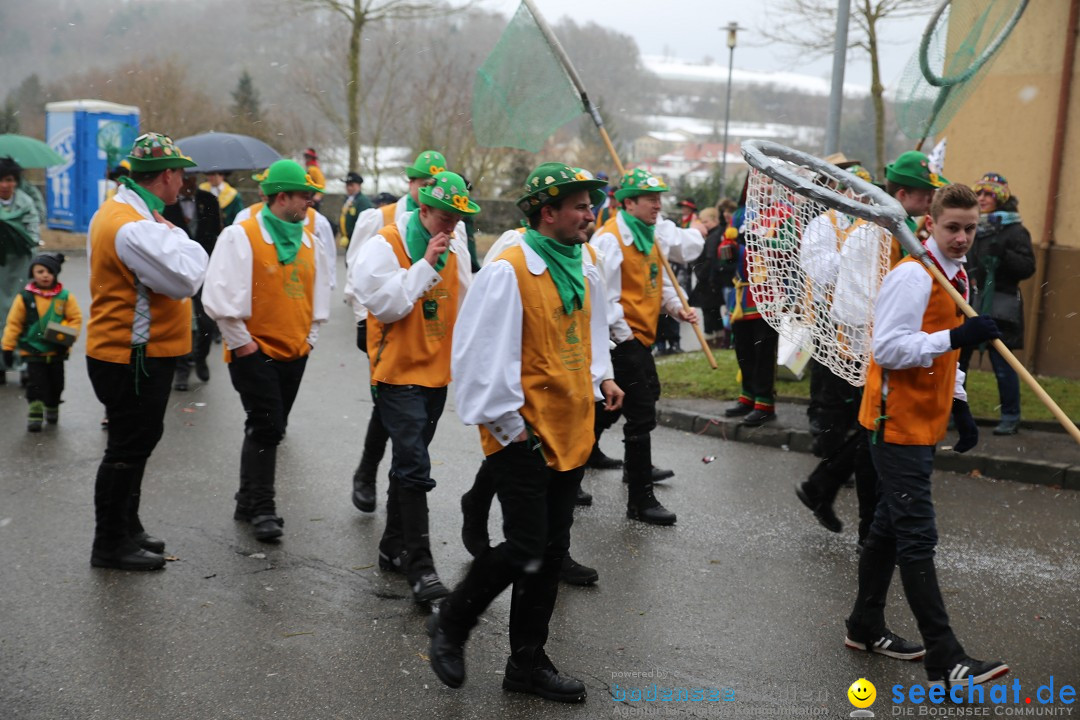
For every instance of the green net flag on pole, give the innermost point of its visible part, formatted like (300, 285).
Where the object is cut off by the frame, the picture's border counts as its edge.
(522, 94)
(957, 46)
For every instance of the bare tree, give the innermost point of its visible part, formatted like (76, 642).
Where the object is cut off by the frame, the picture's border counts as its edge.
(357, 16)
(810, 26)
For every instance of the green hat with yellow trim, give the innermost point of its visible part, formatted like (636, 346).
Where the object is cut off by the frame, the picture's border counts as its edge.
(912, 169)
(427, 164)
(287, 176)
(638, 182)
(551, 180)
(154, 151)
(448, 192)
(597, 196)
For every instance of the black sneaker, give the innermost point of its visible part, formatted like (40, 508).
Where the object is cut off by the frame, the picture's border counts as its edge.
(574, 573)
(890, 645)
(824, 513)
(428, 588)
(979, 671)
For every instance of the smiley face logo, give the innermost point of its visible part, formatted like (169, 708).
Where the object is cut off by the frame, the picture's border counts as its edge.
(862, 693)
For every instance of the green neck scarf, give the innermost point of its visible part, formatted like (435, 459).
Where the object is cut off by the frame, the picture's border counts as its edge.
(564, 265)
(416, 240)
(153, 202)
(644, 235)
(287, 236)
(410, 204)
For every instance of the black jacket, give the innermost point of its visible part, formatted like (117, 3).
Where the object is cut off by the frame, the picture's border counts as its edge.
(207, 223)
(1011, 245)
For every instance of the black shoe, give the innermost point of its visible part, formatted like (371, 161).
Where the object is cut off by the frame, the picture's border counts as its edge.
(979, 671)
(583, 498)
(660, 475)
(757, 418)
(392, 563)
(52, 415)
(543, 679)
(428, 588)
(446, 656)
(648, 509)
(599, 461)
(267, 528)
(890, 645)
(738, 410)
(202, 370)
(137, 559)
(474, 530)
(180, 386)
(816, 428)
(1007, 427)
(574, 573)
(363, 491)
(149, 542)
(824, 513)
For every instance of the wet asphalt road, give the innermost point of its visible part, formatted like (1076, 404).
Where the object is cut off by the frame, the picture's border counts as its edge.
(746, 592)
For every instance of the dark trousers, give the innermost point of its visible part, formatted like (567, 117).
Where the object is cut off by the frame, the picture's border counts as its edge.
(538, 512)
(202, 338)
(667, 333)
(45, 377)
(135, 396)
(844, 449)
(410, 414)
(904, 533)
(267, 390)
(755, 351)
(1008, 381)
(635, 372)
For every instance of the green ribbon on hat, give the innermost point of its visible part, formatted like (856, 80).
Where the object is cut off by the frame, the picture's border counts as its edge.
(153, 202)
(287, 236)
(417, 238)
(564, 266)
(644, 235)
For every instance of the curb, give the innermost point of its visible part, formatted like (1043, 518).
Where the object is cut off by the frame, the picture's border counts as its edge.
(1035, 472)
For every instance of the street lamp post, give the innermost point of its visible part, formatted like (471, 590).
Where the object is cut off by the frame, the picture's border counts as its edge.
(731, 28)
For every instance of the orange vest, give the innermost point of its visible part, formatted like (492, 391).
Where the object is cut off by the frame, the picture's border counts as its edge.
(388, 213)
(113, 297)
(642, 281)
(919, 400)
(556, 370)
(282, 297)
(415, 350)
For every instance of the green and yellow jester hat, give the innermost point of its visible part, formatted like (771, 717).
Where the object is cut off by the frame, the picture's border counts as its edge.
(448, 192)
(552, 180)
(638, 182)
(427, 164)
(154, 151)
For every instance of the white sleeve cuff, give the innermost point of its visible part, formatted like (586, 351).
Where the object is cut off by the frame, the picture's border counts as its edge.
(507, 428)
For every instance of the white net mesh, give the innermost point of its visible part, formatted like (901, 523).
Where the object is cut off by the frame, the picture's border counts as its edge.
(815, 271)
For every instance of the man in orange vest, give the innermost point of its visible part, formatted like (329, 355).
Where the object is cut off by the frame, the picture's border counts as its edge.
(268, 288)
(912, 386)
(412, 277)
(368, 224)
(638, 290)
(530, 358)
(143, 270)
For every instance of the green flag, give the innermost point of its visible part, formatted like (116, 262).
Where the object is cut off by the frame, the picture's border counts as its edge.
(522, 93)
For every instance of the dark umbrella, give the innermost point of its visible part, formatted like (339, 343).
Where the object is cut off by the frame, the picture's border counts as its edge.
(222, 152)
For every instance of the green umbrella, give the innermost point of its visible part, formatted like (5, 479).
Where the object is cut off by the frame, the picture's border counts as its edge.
(29, 152)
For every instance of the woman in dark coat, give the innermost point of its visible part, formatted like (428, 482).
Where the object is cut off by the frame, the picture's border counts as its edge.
(714, 278)
(1000, 258)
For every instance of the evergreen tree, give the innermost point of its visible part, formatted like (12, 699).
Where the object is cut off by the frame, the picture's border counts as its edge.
(9, 116)
(246, 110)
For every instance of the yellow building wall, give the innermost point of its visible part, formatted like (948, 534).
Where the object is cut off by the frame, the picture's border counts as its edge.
(1007, 126)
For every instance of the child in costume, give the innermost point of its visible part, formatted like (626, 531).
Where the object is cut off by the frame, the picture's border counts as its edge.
(43, 301)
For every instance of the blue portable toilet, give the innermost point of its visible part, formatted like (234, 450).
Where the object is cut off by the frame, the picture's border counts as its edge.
(93, 136)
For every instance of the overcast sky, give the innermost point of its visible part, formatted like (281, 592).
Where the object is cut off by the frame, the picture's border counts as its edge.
(690, 29)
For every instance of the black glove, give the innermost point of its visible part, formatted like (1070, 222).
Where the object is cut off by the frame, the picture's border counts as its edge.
(965, 426)
(974, 331)
(9, 359)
